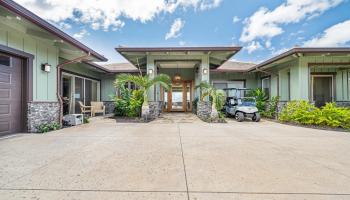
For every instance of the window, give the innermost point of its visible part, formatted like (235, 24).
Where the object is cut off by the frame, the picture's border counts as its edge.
(265, 85)
(5, 60)
(322, 89)
(77, 88)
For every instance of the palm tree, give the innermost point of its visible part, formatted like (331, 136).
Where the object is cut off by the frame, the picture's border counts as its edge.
(144, 83)
(218, 97)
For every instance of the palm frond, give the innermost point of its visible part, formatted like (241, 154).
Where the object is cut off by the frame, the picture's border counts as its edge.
(123, 78)
(162, 79)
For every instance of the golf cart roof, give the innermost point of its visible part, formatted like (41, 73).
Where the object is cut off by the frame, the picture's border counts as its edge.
(237, 89)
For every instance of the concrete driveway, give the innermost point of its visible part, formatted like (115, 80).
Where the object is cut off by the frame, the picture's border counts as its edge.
(177, 159)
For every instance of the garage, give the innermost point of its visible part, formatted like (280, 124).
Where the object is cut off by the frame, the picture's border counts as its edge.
(11, 94)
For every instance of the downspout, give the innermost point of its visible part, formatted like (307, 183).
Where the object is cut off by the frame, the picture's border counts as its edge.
(58, 76)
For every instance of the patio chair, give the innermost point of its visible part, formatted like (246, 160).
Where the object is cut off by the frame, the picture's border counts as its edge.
(98, 107)
(85, 109)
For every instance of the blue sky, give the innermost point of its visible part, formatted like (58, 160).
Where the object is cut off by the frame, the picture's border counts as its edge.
(263, 28)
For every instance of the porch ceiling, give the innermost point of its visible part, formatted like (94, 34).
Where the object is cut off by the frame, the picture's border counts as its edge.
(217, 55)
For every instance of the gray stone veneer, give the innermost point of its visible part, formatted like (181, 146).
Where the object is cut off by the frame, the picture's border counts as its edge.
(41, 112)
(343, 103)
(110, 106)
(203, 109)
(155, 108)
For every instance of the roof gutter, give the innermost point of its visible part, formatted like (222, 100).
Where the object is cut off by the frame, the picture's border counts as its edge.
(21, 11)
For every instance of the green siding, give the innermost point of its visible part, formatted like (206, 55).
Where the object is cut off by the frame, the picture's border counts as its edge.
(107, 87)
(300, 76)
(250, 79)
(274, 86)
(44, 84)
(284, 85)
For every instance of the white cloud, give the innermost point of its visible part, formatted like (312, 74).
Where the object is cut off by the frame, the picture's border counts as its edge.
(81, 34)
(175, 29)
(236, 19)
(64, 25)
(266, 24)
(336, 35)
(268, 44)
(253, 46)
(182, 43)
(108, 14)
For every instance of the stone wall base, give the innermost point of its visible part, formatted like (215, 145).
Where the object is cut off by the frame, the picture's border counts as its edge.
(203, 109)
(40, 113)
(155, 108)
(343, 103)
(110, 106)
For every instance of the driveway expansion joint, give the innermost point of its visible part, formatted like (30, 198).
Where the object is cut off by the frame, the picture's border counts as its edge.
(183, 159)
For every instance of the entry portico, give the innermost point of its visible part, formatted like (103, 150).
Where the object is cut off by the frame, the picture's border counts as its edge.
(187, 67)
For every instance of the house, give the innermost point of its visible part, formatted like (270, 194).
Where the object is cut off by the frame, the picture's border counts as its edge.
(34, 55)
(45, 73)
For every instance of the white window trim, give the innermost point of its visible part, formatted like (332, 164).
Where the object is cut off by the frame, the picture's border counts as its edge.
(321, 75)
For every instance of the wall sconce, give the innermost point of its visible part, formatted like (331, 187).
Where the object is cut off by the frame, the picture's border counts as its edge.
(150, 71)
(46, 67)
(205, 71)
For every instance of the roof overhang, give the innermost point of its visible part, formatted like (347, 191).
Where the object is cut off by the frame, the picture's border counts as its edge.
(138, 55)
(302, 51)
(31, 17)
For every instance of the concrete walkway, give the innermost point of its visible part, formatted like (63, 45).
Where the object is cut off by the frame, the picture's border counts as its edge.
(174, 159)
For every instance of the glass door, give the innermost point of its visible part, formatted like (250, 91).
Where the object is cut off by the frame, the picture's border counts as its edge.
(322, 89)
(177, 97)
(78, 93)
(76, 88)
(67, 92)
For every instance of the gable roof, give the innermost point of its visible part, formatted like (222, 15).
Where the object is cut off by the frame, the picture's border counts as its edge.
(120, 68)
(235, 66)
(24, 13)
(217, 55)
(299, 51)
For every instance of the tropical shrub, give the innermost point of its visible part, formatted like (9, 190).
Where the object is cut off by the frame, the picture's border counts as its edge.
(129, 103)
(122, 102)
(260, 97)
(271, 107)
(333, 116)
(144, 83)
(86, 119)
(136, 100)
(302, 112)
(46, 127)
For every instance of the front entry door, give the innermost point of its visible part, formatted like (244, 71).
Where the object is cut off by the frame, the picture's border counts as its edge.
(322, 89)
(178, 98)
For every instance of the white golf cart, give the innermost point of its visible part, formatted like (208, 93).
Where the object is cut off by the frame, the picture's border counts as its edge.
(239, 105)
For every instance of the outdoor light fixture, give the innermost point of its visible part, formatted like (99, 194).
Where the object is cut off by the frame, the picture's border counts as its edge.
(46, 67)
(177, 76)
(205, 71)
(150, 71)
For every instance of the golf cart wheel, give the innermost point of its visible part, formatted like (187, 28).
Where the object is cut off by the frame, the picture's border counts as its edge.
(239, 116)
(256, 117)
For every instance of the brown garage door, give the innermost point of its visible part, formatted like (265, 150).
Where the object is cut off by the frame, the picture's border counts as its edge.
(10, 94)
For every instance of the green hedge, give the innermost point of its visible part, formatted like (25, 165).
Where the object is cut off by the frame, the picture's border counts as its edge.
(302, 112)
